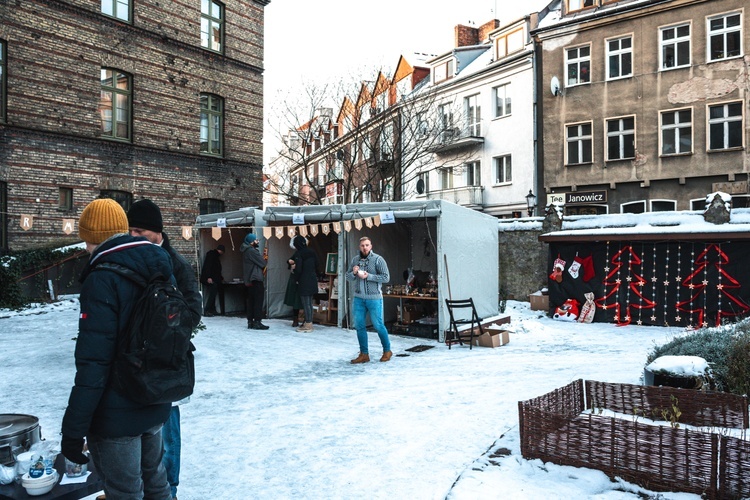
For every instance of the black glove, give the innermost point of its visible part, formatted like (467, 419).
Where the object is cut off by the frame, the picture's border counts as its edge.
(72, 449)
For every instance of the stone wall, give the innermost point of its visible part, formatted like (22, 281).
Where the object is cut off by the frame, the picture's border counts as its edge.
(523, 263)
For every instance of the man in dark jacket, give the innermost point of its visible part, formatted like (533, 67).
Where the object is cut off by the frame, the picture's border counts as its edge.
(306, 271)
(253, 264)
(212, 280)
(124, 437)
(144, 219)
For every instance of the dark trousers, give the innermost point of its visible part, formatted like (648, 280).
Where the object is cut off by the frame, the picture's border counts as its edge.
(212, 290)
(254, 295)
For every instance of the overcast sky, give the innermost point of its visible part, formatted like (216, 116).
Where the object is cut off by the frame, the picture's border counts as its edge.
(317, 40)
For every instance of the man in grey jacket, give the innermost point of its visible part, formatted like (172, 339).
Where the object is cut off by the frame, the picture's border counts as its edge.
(368, 270)
(253, 264)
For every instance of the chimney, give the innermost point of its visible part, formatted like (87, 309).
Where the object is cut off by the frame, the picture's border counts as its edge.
(484, 30)
(466, 35)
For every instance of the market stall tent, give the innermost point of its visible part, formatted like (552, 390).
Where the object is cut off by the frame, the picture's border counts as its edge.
(455, 245)
(232, 227)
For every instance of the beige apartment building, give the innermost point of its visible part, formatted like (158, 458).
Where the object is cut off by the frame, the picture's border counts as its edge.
(643, 104)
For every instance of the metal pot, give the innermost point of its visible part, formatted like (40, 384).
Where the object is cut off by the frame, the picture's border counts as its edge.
(17, 433)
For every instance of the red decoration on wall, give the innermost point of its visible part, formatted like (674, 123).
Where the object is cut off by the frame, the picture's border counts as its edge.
(636, 282)
(721, 281)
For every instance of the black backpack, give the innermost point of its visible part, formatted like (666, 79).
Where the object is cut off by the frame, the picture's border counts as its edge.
(154, 361)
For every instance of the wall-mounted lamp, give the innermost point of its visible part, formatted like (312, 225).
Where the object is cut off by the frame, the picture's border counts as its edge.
(530, 203)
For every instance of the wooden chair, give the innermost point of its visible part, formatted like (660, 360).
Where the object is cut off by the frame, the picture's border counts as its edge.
(456, 336)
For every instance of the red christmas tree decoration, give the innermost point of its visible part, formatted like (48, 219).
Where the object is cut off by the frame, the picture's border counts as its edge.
(723, 282)
(635, 283)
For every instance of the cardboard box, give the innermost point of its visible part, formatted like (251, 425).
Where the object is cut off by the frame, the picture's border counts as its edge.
(410, 316)
(539, 302)
(491, 322)
(493, 338)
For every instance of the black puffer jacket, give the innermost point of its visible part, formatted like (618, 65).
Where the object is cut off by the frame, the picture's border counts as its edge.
(106, 303)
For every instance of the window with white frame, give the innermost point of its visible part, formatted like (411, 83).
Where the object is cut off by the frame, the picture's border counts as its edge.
(503, 169)
(381, 102)
(619, 57)
(386, 142)
(119, 9)
(578, 144)
(212, 25)
(472, 174)
(422, 125)
(663, 205)
(621, 138)
(633, 207)
(578, 65)
(445, 115)
(674, 42)
(725, 126)
(502, 100)
(446, 178)
(724, 36)
(676, 131)
(473, 110)
(321, 171)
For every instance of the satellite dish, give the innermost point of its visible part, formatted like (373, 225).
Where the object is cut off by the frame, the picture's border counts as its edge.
(554, 86)
(420, 186)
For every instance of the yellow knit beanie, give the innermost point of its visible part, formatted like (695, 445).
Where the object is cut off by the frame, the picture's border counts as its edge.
(101, 219)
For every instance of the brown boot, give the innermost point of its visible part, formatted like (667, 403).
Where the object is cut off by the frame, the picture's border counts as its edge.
(306, 327)
(386, 356)
(362, 358)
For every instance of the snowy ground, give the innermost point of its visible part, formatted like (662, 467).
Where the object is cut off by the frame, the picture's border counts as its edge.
(281, 414)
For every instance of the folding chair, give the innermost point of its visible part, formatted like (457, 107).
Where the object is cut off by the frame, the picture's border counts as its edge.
(459, 336)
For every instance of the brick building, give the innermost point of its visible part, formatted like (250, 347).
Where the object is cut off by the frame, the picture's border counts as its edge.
(128, 99)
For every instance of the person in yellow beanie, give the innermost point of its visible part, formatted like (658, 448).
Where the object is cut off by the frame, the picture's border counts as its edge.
(124, 437)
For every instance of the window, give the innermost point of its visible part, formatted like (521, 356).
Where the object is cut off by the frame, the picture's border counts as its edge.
(472, 174)
(473, 115)
(578, 144)
(675, 46)
(210, 206)
(502, 100)
(663, 205)
(423, 183)
(446, 178)
(423, 127)
(509, 43)
(124, 198)
(386, 143)
(503, 169)
(724, 37)
(114, 104)
(387, 191)
(619, 58)
(634, 207)
(321, 173)
(725, 126)
(65, 199)
(119, 9)
(3, 58)
(677, 132)
(574, 5)
(212, 124)
(578, 64)
(443, 71)
(445, 115)
(621, 138)
(212, 25)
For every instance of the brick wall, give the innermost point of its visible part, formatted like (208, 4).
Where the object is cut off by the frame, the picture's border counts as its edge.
(51, 136)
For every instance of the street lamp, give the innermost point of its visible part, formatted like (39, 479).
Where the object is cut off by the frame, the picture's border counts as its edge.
(530, 203)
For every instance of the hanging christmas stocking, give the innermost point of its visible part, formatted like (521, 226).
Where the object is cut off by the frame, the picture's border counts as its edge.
(575, 267)
(587, 263)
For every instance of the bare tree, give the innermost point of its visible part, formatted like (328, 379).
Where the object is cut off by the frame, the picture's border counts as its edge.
(362, 142)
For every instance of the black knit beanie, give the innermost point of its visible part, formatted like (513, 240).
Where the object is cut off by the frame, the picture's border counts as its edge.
(144, 214)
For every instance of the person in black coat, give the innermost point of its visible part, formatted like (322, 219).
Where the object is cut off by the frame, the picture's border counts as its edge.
(306, 272)
(144, 219)
(124, 437)
(213, 281)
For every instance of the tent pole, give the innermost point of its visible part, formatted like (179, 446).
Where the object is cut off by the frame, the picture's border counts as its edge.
(447, 276)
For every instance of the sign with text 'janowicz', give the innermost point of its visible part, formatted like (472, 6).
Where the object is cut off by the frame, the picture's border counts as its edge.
(577, 198)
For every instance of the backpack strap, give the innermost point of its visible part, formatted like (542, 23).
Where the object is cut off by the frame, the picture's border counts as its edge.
(122, 271)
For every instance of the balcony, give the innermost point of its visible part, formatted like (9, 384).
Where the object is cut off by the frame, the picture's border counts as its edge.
(466, 196)
(457, 138)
